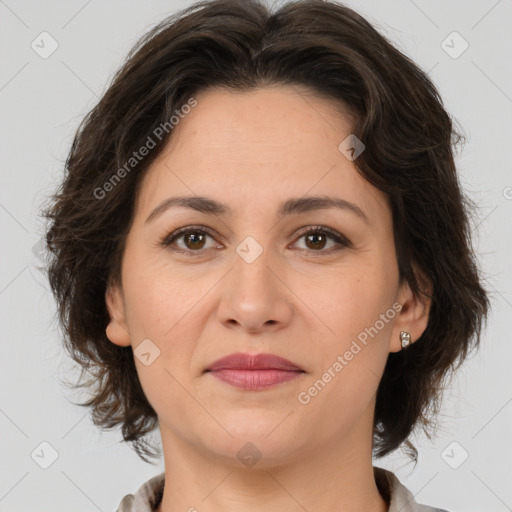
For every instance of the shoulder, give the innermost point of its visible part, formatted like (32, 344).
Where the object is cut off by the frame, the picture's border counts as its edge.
(147, 497)
(400, 498)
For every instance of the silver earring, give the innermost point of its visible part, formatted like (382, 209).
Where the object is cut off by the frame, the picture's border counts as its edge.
(405, 338)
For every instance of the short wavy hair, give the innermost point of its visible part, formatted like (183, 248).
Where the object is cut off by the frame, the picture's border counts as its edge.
(410, 144)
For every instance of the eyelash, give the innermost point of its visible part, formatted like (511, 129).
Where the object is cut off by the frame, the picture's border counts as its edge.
(169, 239)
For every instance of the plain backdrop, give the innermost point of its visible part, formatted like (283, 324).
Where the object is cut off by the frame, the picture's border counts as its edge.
(467, 468)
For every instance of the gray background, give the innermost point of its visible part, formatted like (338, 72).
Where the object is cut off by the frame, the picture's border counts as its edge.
(42, 101)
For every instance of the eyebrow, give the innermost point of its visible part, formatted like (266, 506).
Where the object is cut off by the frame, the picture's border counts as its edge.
(290, 207)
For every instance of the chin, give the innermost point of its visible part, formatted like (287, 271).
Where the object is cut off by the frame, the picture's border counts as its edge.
(260, 439)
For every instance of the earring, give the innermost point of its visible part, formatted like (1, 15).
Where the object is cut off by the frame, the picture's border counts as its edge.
(405, 338)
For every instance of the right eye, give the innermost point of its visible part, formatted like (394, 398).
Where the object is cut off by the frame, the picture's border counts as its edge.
(193, 238)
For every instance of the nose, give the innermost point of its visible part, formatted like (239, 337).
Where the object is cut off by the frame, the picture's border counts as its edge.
(255, 297)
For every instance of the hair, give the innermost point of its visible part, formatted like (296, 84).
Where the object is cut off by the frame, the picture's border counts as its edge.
(409, 142)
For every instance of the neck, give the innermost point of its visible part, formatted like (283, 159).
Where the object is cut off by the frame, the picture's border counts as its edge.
(334, 476)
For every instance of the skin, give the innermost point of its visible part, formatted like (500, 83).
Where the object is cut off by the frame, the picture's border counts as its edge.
(252, 151)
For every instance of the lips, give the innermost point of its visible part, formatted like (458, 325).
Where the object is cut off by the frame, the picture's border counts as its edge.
(254, 372)
(241, 361)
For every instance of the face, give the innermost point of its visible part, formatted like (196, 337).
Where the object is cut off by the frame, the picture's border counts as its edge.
(248, 277)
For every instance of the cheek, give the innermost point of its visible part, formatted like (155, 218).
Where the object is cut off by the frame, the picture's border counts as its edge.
(353, 350)
(165, 307)
(171, 396)
(160, 298)
(166, 316)
(350, 299)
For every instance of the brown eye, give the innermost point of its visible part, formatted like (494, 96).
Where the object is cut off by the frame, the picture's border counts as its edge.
(316, 239)
(193, 240)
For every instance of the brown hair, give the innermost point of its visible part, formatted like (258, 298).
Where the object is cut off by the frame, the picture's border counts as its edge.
(241, 45)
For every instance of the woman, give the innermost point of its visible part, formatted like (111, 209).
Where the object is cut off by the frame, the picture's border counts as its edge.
(261, 247)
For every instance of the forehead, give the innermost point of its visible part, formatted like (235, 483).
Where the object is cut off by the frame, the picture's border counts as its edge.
(254, 149)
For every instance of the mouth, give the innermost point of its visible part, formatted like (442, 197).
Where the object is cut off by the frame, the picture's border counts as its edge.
(255, 379)
(253, 372)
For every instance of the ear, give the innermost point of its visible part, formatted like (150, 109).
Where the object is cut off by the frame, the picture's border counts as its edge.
(117, 329)
(414, 313)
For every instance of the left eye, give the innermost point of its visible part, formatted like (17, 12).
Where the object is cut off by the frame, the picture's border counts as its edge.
(194, 239)
(318, 236)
